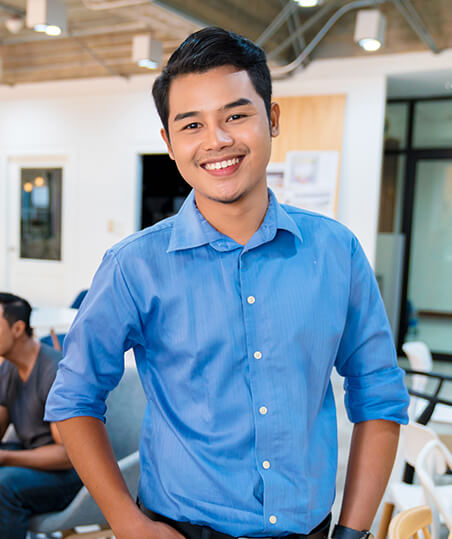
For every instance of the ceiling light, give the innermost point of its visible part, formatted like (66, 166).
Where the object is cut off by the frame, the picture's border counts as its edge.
(14, 24)
(370, 29)
(147, 52)
(47, 16)
(369, 44)
(149, 64)
(53, 30)
(309, 3)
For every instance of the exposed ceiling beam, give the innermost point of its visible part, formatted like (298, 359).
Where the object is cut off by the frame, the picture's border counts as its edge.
(314, 19)
(407, 9)
(288, 69)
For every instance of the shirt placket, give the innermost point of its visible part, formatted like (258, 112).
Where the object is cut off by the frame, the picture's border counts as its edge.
(252, 304)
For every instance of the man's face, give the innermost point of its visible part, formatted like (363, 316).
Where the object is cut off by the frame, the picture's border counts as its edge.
(6, 335)
(219, 133)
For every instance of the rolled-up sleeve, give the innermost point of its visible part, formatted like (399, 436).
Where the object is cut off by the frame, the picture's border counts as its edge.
(374, 384)
(106, 325)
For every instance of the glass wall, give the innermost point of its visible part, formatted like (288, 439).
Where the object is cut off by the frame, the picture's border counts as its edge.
(414, 248)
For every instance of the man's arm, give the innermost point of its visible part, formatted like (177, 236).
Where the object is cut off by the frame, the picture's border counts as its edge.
(91, 453)
(47, 457)
(372, 453)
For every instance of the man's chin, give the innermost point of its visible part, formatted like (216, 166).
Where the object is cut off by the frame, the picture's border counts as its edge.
(226, 199)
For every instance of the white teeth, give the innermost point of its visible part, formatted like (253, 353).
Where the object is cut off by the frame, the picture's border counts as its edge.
(221, 164)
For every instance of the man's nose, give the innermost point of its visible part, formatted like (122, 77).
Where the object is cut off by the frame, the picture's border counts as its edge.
(217, 137)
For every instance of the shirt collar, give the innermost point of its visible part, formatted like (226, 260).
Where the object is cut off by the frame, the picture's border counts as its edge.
(192, 230)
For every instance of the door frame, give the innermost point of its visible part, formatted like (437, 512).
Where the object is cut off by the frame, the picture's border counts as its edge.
(13, 164)
(412, 159)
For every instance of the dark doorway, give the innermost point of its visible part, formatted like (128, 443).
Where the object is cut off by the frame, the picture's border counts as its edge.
(163, 189)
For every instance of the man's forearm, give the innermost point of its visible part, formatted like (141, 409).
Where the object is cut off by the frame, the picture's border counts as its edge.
(89, 448)
(372, 452)
(47, 457)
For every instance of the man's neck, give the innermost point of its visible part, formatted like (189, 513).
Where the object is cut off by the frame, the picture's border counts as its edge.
(239, 220)
(23, 355)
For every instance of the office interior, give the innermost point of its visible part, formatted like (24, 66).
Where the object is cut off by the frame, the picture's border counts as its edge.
(82, 163)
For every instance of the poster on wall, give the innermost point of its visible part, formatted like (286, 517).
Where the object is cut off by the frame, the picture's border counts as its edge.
(308, 180)
(311, 181)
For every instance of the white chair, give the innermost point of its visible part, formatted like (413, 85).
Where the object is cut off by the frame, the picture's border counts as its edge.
(125, 408)
(401, 496)
(420, 359)
(433, 460)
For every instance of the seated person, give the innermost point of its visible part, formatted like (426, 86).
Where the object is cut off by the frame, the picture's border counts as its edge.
(36, 475)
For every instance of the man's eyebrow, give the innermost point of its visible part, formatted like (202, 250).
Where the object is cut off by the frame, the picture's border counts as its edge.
(183, 115)
(237, 103)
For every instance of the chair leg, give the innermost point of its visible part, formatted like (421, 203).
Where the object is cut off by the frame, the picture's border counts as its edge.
(388, 509)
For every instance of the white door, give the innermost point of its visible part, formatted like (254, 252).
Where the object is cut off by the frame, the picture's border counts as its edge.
(35, 236)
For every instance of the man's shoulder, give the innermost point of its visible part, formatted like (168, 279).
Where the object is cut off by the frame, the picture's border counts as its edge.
(152, 237)
(314, 225)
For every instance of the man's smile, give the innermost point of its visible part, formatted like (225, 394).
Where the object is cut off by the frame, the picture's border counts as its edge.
(224, 166)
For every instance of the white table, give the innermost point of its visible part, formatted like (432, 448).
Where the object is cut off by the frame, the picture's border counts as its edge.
(43, 319)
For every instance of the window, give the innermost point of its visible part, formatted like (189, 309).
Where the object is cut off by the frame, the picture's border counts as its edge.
(40, 223)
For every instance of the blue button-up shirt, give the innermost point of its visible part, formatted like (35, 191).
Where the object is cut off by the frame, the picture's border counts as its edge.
(235, 346)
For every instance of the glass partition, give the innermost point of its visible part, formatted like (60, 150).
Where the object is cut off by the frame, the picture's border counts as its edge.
(396, 126)
(430, 275)
(433, 124)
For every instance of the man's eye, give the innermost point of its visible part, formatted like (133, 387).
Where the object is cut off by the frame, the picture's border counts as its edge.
(193, 125)
(236, 116)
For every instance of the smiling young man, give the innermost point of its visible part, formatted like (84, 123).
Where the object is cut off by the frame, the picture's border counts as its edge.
(238, 309)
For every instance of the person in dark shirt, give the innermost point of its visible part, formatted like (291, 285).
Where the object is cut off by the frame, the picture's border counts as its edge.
(36, 475)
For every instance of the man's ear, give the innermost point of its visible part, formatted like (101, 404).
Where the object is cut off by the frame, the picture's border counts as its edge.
(165, 137)
(18, 329)
(274, 119)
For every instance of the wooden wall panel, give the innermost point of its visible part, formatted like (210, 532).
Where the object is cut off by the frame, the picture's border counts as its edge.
(309, 123)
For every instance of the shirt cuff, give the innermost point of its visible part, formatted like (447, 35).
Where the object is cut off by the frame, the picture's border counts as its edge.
(378, 395)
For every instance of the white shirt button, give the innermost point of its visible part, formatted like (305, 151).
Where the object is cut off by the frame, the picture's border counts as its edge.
(251, 299)
(272, 519)
(257, 355)
(263, 410)
(266, 464)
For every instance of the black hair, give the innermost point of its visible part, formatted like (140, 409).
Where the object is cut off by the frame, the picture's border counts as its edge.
(209, 48)
(16, 308)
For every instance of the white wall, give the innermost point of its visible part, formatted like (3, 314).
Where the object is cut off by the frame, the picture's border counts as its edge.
(102, 125)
